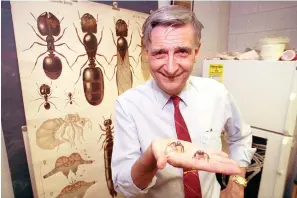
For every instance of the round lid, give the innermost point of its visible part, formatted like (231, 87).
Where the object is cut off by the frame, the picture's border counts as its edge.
(274, 40)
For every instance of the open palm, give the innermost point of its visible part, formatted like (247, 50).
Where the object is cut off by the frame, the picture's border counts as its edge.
(182, 154)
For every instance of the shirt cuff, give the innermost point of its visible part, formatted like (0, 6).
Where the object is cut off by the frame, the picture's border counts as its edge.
(127, 186)
(243, 156)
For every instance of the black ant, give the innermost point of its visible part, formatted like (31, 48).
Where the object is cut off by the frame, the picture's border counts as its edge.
(45, 94)
(70, 98)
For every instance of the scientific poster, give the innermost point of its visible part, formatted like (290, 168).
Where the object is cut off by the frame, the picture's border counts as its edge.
(75, 59)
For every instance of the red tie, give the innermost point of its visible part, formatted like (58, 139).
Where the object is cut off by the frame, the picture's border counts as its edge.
(192, 186)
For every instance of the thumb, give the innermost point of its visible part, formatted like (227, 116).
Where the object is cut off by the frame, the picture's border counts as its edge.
(162, 161)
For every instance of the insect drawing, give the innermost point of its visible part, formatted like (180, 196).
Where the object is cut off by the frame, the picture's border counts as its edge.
(52, 132)
(75, 189)
(49, 25)
(145, 70)
(93, 81)
(108, 146)
(70, 98)
(124, 78)
(64, 164)
(45, 93)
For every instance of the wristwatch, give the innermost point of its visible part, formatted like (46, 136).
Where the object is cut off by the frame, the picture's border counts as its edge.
(239, 180)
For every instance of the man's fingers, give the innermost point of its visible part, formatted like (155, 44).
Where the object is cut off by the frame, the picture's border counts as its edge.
(224, 166)
(216, 163)
(220, 153)
(223, 160)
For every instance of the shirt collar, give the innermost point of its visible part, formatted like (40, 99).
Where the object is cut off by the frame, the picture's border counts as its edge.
(163, 98)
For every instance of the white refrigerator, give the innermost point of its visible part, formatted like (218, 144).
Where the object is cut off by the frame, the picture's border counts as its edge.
(266, 93)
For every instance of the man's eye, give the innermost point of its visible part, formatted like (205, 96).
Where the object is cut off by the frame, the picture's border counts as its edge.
(159, 55)
(183, 53)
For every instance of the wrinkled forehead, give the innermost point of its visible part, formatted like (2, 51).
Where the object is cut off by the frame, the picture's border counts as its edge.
(172, 36)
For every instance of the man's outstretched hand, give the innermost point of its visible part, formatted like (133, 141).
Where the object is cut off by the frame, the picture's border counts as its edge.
(182, 154)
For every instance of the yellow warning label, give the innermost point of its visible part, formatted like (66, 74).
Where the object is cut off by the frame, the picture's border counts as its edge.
(216, 71)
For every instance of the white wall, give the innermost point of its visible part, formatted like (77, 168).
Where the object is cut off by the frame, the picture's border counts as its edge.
(214, 16)
(250, 21)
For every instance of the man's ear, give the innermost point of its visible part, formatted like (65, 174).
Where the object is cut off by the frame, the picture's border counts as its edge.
(145, 48)
(197, 49)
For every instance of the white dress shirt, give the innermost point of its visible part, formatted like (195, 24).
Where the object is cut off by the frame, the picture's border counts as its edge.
(145, 113)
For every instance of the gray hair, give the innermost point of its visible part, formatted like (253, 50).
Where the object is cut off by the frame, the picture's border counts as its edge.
(171, 15)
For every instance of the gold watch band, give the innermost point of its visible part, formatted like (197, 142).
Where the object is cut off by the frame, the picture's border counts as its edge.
(239, 180)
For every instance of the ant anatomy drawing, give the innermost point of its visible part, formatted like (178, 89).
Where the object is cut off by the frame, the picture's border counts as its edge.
(123, 72)
(65, 164)
(93, 81)
(45, 93)
(70, 98)
(75, 189)
(107, 144)
(49, 25)
(56, 131)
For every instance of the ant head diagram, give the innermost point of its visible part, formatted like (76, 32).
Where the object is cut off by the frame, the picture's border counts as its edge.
(88, 23)
(121, 28)
(107, 122)
(47, 24)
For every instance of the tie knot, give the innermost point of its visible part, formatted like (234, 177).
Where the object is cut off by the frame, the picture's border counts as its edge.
(175, 100)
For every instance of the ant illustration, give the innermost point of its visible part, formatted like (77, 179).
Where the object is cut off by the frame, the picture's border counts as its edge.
(49, 25)
(45, 93)
(124, 78)
(93, 81)
(108, 130)
(108, 146)
(70, 98)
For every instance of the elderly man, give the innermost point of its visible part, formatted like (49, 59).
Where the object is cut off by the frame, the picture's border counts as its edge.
(167, 131)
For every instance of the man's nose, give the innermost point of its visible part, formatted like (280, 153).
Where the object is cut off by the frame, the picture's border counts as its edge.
(171, 67)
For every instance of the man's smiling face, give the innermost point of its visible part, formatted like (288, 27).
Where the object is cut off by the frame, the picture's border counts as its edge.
(172, 54)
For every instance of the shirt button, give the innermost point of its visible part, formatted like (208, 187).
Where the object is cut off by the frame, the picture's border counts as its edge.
(204, 139)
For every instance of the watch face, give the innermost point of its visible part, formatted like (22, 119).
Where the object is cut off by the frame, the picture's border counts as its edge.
(241, 180)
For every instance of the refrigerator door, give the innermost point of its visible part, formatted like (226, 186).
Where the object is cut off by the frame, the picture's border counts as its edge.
(265, 91)
(275, 165)
(268, 170)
